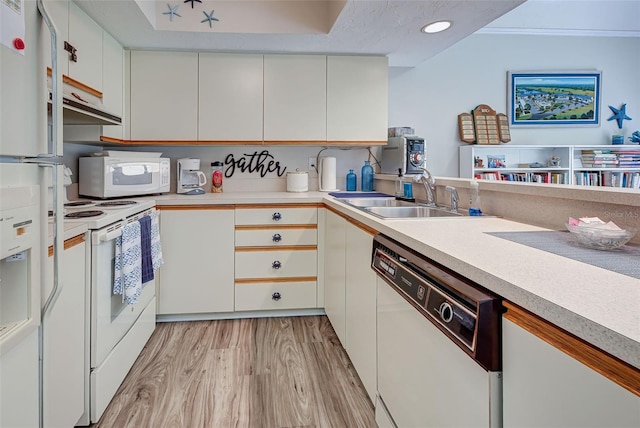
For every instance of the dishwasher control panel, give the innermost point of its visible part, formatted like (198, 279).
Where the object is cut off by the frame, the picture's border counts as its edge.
(467, 314)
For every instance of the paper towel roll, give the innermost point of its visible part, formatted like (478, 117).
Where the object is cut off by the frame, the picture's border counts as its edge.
(327, 174)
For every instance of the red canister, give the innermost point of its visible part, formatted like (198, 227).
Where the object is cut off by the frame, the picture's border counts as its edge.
(216, 177)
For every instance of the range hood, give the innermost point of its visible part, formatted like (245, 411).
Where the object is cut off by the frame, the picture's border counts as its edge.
(78, 111)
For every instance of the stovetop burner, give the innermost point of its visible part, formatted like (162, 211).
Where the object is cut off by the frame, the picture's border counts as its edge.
(78, 204)
(84, 214)
(116, 203)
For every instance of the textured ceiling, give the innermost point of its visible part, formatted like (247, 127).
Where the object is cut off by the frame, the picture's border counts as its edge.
(390, 28)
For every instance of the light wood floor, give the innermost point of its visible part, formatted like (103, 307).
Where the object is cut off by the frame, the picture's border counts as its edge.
(261, 372)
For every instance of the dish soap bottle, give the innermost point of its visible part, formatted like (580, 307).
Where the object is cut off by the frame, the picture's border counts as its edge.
(474, 199)
(367, 177)
(352, 181)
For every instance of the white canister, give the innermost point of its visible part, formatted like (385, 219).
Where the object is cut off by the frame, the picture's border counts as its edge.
(297, 181)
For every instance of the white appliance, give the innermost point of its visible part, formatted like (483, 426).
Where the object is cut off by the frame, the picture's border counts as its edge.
(438, 336)
(190, 178)
(298, 181)
(118, 330)
(122, 176)
(29, 152)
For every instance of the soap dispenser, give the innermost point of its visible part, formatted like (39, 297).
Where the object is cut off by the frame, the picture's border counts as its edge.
(367, 177)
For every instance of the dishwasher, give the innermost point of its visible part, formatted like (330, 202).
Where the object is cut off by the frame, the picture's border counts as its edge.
(438, 344)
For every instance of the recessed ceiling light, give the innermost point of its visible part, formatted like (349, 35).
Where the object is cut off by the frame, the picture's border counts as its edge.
(436, 27)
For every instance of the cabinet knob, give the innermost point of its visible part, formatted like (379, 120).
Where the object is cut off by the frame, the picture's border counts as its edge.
(276, 216)
(277, 237)
(276, 264)
(276, 296)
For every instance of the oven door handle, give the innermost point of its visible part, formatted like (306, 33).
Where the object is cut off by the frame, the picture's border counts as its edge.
(109, 236)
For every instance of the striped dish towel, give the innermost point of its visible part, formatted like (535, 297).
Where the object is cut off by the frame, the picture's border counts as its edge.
(127, 276)
(145, 242)
(156, 248)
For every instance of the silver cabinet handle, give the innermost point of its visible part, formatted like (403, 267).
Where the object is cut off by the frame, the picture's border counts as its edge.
(276, 237)
(276, 264)
(276, 216)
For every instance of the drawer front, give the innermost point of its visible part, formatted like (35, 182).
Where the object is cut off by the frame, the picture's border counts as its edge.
(276, 264)
(262, 296)
(276, 215)
(276, 237)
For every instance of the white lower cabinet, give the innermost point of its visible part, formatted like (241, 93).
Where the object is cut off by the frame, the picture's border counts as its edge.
(350, 294)
(545, 387)
(276, 258)
(65, 339)
(197, 246)
(360, 307)
(335, 272)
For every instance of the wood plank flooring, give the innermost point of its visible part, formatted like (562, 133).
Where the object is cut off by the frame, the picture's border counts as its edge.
(258, 372)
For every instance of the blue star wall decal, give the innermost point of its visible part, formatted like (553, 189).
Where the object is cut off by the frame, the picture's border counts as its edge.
(187, 1)
(619, 114)
(173, 11)
(209, 18)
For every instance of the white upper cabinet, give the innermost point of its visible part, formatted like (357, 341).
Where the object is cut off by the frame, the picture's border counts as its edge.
(295, 97)
(113, 83)
(86, 37)
(230, 97)
(357, 98)
(164, 95)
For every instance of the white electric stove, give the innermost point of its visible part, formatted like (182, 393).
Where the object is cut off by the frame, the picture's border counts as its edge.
(98, 214)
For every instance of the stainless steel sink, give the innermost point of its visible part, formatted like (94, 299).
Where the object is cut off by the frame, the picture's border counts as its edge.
(415, 211)
(377, 202)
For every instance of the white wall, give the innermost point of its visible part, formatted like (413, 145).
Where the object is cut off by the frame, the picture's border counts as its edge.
(430, 96)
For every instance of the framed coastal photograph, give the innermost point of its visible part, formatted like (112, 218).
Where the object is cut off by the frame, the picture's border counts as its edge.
(554, 98)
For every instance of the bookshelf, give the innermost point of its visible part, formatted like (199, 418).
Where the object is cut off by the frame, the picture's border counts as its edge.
(590, 165)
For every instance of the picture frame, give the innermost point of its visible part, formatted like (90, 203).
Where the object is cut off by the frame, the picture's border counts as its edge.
(558, 98)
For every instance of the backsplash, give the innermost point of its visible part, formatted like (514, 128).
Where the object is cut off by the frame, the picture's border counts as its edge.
(249, 167)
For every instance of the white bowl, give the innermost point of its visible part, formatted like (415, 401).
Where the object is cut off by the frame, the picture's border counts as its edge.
(600, 239)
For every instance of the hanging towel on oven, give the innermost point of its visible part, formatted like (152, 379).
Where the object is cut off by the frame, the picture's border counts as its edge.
(127, 276)
(145, 247)
(156, 248)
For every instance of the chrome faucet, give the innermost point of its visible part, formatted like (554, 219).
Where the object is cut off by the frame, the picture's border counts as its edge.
(454, 198)
(429, 186)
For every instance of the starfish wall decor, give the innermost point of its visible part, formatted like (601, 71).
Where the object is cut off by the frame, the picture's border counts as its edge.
(173, 11)
(209, 18)
(619, 114)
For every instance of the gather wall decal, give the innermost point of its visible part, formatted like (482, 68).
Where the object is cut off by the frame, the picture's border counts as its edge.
(261, 163)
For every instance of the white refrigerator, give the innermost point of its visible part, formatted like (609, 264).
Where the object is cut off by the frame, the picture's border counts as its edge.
(30, 145)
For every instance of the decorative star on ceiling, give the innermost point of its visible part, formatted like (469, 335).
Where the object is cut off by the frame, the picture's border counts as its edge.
(209, 18)
(173, 11)
(619, 114)
(187, 1)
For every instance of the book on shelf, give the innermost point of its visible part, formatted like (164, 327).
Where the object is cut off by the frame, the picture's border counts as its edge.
(621, 179)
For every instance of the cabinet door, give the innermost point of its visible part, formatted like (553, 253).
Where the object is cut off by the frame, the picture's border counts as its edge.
(361, 306)
(113, 83)
(357, 98)
(65, 369)
(295, 97)
(230, 97)
(164, 95)
(197, 274)
(86, 36)
(334, 273)
(544, 387)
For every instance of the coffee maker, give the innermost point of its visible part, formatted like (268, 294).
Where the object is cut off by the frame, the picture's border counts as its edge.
(190, 178)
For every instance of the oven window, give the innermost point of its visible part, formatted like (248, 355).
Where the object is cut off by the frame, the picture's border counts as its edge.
(132, 174)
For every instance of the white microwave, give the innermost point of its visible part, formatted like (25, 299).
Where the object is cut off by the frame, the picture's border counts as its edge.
(112, 177)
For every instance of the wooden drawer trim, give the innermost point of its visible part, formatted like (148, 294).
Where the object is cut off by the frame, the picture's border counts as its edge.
(596, 359)
(288, 279)
(69, 243)
(370, 230)
(282, 205)
(279, 248)
(194, 207)
(275, 226)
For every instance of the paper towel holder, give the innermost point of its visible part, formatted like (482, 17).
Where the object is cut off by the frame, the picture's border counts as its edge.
(327, 174)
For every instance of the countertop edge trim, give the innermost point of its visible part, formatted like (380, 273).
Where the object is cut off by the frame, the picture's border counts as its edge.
(595, 358)
(353, 221)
